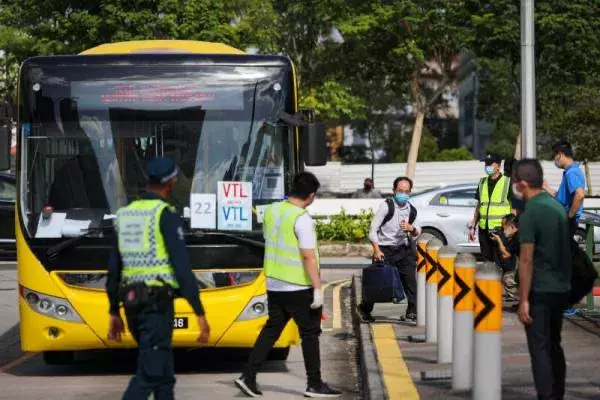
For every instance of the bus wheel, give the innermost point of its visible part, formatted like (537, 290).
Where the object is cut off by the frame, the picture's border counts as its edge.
(59, 357)
(279, 354)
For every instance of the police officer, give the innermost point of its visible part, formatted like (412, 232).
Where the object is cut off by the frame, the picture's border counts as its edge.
(494, 202)
(291, 266)
(148, 264)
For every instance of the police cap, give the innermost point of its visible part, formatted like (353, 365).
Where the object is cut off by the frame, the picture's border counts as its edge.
(160, 170)
(492, 158)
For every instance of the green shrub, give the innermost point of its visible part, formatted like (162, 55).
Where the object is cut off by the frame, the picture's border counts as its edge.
(345, 228)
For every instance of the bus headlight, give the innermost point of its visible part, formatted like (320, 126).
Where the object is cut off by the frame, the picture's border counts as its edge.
(256, 308)
(50, 306)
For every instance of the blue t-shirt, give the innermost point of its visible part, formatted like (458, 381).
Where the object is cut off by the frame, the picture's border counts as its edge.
(573, 179)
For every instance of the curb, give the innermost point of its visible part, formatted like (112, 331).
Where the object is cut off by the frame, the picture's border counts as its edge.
(372, 387)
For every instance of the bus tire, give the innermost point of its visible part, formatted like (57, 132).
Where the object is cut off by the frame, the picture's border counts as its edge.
(279, 354)
(59, 357)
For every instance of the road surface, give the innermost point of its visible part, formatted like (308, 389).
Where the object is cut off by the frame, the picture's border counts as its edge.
(200, 375)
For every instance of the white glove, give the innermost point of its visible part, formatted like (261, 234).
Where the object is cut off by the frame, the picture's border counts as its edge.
(317, 299)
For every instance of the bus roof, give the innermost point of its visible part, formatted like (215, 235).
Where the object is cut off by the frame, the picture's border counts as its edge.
(163, 46)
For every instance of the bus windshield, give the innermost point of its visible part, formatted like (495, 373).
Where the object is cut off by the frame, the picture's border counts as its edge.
(88, 131)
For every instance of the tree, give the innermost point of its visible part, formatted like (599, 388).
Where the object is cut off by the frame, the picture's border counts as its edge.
(414, 45)
(15, 45)
(567, 50)
(62, 27)
(306, 32)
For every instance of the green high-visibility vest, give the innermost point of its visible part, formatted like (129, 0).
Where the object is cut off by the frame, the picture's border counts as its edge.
(493, 208)
(283, 259)
(142, 245)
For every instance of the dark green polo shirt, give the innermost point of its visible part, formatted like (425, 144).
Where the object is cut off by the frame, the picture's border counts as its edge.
(544, 223)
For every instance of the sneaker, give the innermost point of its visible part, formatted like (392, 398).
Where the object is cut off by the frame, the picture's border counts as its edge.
(570, 312)
(322, 391)
(363, 315)
(411, 317)
(248, 386)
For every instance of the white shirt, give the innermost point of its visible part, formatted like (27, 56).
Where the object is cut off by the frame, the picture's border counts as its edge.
(390, 234)
(305, 232)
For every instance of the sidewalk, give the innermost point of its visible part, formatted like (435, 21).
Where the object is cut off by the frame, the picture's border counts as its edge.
(388, 339)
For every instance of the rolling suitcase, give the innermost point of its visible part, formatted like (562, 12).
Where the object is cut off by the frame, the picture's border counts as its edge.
(381, 284)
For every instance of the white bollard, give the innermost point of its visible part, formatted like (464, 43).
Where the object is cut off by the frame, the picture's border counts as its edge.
(462, 338)
(421, 281)
(487, 364)
(446, 257)
(433, 247)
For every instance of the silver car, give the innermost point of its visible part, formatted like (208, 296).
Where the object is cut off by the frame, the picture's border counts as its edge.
(446, 212)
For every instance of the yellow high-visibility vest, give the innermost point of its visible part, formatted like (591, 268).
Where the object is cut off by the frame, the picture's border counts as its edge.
(283, 259)
(493, 208)
(142, 245)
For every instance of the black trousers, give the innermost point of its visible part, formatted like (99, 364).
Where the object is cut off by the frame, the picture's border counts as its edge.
(284, 306)
(487, 245)
(544, 341)
(153, 331)
(403, 258)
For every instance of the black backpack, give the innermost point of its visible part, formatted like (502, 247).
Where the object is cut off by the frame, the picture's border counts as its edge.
(412, 216)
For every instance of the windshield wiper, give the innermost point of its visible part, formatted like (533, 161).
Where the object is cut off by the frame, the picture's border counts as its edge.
(238, 238)
(57, 249)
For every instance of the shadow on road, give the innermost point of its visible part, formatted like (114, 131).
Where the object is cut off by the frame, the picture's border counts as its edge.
(116, 362)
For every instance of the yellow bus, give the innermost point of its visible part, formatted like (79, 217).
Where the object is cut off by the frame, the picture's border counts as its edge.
(88, 124)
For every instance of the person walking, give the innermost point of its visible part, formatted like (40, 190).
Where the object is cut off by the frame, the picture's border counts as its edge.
(148, 265)
(392, 235)
(494, 202)
(291, 266)
(368, 191)
(545, 269)
(571, 192)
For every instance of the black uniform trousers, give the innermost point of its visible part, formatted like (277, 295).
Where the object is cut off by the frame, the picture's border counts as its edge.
(152, 329)
(403, 258)
(284, 306)
(487, 245)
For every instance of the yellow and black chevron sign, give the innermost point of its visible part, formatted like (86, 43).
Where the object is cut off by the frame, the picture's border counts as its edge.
(488, 306)
(432, 266)
(464, 279)
(446, 271)
(421, 258)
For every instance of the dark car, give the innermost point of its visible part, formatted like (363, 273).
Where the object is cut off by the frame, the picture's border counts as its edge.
(8, 194)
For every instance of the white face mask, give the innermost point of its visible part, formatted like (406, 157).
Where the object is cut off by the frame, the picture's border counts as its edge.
(516, 192)
(557, 162)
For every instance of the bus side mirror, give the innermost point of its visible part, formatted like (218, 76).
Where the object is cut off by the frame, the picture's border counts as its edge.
(5, 142)
(314, 144)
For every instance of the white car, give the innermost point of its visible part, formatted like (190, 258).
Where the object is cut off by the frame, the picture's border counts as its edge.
(446, 212)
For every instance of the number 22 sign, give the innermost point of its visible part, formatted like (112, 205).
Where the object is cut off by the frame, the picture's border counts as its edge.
(204, 210)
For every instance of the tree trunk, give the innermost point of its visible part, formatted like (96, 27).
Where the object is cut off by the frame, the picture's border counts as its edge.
(372, 156)
(414, 144)
(588, 177)
(518, 147)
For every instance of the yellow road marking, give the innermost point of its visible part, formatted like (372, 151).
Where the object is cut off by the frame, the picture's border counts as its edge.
(325, 287)
(337, 306)
(328, 284)
(17, 362)
(396, 376)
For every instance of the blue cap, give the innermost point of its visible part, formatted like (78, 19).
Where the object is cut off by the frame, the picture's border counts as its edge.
(161, 170)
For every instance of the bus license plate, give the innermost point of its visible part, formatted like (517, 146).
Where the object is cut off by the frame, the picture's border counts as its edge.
(180, 323)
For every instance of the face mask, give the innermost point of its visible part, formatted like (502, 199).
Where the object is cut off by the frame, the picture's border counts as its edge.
(489, 170)
(368, 188)
(557, 162)
(402, 198)
(516, 192)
